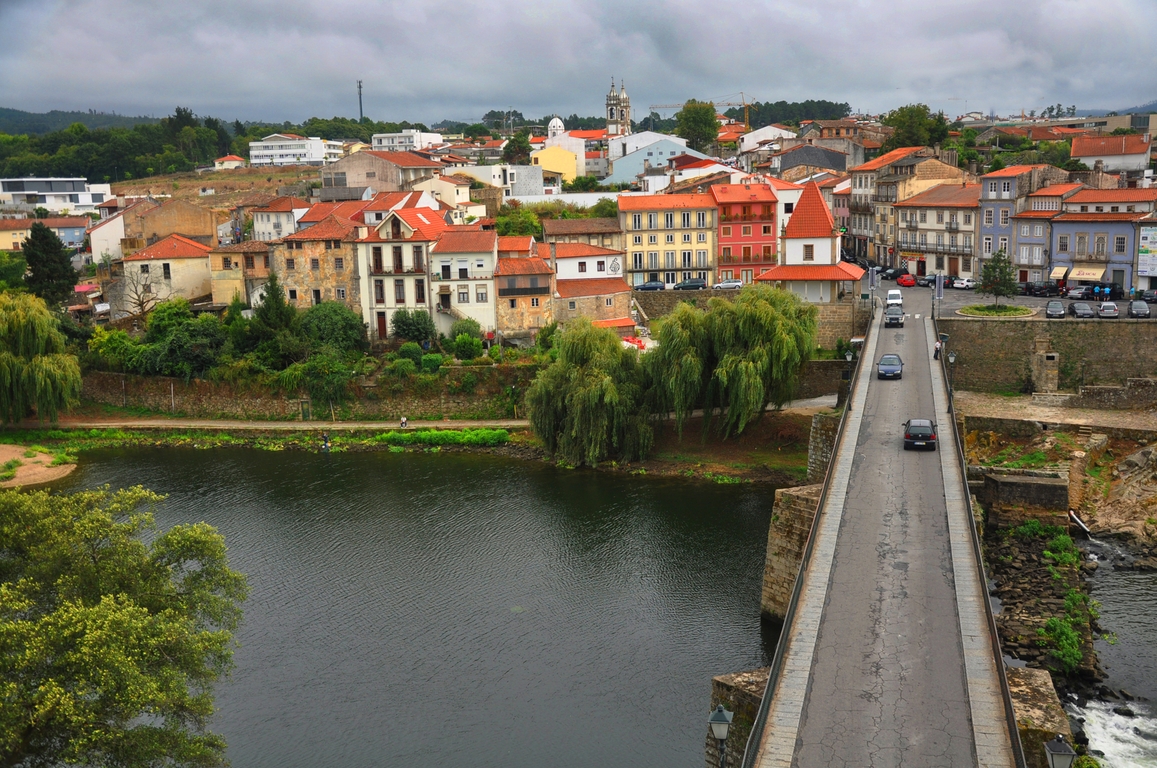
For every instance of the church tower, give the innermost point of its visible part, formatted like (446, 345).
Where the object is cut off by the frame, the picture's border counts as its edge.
(618, 111)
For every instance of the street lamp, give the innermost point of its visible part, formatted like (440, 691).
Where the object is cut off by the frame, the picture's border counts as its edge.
(848, 356)
(720, 722)
(1059, 753)
(951, 368)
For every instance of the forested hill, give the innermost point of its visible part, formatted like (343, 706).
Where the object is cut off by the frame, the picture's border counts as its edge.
(791, 112)
(14, 121)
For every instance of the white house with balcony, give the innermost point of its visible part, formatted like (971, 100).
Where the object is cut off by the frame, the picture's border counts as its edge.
(406, 140)
(278, 218)
(462, 278)
(291, 149)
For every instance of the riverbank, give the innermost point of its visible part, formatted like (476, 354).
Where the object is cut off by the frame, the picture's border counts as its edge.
(27, 464)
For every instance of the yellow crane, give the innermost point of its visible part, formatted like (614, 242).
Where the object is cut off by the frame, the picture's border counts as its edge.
(744, 103)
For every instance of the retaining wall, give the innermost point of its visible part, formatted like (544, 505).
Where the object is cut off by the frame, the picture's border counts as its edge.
(739, 693)
(792, 514)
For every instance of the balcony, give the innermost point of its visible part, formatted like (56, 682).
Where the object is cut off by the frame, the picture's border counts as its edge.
(889, 197)
(542, 290)
(437, 277)
(911, 224)
(860, 205)
(725, 218)
(964, 250)
(952, 226)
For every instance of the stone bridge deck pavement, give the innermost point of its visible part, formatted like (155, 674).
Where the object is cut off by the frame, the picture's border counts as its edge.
(886, 664)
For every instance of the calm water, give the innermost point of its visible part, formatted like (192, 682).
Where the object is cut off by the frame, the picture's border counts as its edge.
(455, 610)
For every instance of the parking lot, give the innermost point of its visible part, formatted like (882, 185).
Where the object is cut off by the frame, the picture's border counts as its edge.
(955, 299)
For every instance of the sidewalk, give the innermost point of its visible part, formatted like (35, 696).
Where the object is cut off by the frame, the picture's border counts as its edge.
(1022, 407)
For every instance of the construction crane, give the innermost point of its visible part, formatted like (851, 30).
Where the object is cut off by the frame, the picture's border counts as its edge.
(744, 103)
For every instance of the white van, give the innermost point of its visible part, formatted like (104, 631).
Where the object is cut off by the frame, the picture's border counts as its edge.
(895, 298)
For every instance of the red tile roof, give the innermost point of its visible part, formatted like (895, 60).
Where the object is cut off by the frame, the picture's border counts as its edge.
(16, 224)
(455, 240)
(227, 158)
(520, 243)
(657, 202)
(346, 210)
(59, 222)
(1114, 196)
(403, 159)
(172, 247)
(617, 322)
(521, 266)
(574, 250)
(592, 135)
(590, 286)
(282, 205)
(1036, 214)
(332, 227)
(245, 246)
(807, 272)
(608, 225)
(886, 159)
(593, 155)
(1014, 170)
(1077, 216)
(811, 217)
(1055, 190)
(1092, 146)
(775, 183)
(945, 196)
(424, 221)
(742, 193)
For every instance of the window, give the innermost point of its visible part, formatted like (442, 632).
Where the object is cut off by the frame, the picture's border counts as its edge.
(987, 247)
(686, 219)
(534, 302)
(338, 262)
(316, 296)
(293, 294)
(463, 273)
(400, 291)
(638, 240)
(1006, 186)
(289, 265)
(637, 260)
(686, 237)
(379, 292)
(652, 220)
(727, 252)
(463, 294)
(702, 238)
(582, 266)
(923, 217)
(1082, 244)
(746, 254)
(992, 186)
(726, 231)
(652, 239)
(670, 238)
(1037, 254)
(636, 221)
(939, 262)
(480, 294)
(652, 259)
(766, 230)
(1024, 230)
(1063, 243)
(701, 219)
(249, 262)
(600, 266)
(226, 262)
(1038, 230)
(940, 217)
(767, 252)
(968, 242)
(328, 245)
(1024, 254)
(165, 272)
(988, 217)
(265, 260)
(419, 261)
(341, 293)
(514, 303)
(966, 263)
(686, 259)
(315, 264)
(1004, 217)
(809, 252)
(669, 277)
(570, 305)
(668, 221)
(420, 291)
(610, 302)
(1119, 244)
(1002, 244)
(144, 269)
(1099, 244)
(669, 259)
(968, 219)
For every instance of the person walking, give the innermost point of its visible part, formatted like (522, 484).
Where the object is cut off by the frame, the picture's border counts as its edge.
(936, 351)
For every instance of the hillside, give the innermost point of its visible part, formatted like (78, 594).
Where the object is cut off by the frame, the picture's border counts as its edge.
(1150, 107)
(230, 187)
(14, 121)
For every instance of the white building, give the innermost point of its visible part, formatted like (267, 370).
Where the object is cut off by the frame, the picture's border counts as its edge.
(462, 278)
(291, 149)
(405, 141)
(278, 218)
(58, 195)
(625, 145)
(751, 140)
(1129, 153)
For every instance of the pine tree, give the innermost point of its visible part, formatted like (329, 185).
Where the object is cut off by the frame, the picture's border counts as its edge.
(274, 313)
(50, 272)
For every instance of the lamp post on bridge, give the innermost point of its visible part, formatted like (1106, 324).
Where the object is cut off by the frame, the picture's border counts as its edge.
(720, 722)
(1059, 753)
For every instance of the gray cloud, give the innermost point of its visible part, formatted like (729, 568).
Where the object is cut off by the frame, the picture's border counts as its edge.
(433, 59)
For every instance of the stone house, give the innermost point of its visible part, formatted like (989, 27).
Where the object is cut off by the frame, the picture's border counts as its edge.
(462, 265)
(241, 269)
(320, 264)
(589, 283)
(395, 258)
(525, 297)
(804, 160)
(172, 267)
(605, 232)
(938, 230)
(348, 178)
(145, 225)
(106, 236)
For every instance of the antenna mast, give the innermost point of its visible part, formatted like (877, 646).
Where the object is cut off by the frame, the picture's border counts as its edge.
(361, 115)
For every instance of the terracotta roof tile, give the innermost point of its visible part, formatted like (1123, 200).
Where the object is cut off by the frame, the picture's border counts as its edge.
(574, 250)
(520, 243)
(228, 158)
(58, 222)
(345, 210)
(521, 266)
(743, 193)
(806, 272)
(403, 159)
(171, 247)
(1077, 216)
(1114, 196)
(811, 217)
(332, 227)
(658, 202)
(282, 205)
(617, 322)
(886, 159)
(428, 224)
(592, 135)
(245, 246)
(1014, 170)
(1036, 214)
(592, 226)
(945, 196)
(456, 240)
(590, 286)
(9, 225)
(1092, 146)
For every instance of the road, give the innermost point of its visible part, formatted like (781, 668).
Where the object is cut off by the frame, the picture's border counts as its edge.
(888, 684)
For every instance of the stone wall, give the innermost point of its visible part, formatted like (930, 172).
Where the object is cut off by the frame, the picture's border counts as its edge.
(993, 354)
(1029, 428)
(792, 514)
(1078, 468)
(1039, 715)
(1012, 497)
(462, 392)
(1135, 395)
(821, 444)
(740, 693)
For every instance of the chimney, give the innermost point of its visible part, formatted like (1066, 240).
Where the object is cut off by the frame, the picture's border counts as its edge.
(972, 167)
(1145, 138)
(1099, 166)
(553, 256)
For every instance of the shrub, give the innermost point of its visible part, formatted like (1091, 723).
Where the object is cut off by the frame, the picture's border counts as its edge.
(546, 336)
(467, 347)
(333, 324)
(403, 366)
(411, 351)
(475, 437)
(413, 325)
(495, 352)
(431, 362)
(467, 325)
(1059, 635)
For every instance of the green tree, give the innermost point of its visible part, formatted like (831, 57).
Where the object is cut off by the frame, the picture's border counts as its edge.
(606, 208)
(412, 351)
(519, 220)
(915, 126)
(581, 184)
(35, 373)
(333, 324)
(517, 149)
(413, 325)
(735, 359)
(697, 123)
(274, 313)
(589, 405)
(50, 272)
(998, 277)
(466, 325)
(12, 269)
(467, 347)
(112, 633)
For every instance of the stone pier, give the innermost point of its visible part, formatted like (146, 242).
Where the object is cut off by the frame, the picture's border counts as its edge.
(791, 521)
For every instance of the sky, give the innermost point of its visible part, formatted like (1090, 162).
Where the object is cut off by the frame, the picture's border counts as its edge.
(428, 60)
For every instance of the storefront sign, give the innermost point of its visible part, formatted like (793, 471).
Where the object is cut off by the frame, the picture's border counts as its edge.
(1147, 253)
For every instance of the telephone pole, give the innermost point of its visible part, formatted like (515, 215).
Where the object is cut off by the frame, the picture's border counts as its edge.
(361, 115)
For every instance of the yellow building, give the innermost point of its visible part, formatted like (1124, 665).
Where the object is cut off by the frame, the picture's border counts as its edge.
(557, 160)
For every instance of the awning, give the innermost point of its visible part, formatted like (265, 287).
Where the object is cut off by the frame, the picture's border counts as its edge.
(1086, 273)
(1058, 273)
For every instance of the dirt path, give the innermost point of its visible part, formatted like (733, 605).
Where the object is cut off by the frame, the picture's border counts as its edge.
(33, 470)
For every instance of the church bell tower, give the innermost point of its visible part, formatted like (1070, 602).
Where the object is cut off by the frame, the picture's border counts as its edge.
(618, 111)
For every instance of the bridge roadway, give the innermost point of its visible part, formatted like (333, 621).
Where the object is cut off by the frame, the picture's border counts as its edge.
(889, 661)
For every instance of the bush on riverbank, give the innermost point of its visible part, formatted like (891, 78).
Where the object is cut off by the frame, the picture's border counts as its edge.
(488, 438)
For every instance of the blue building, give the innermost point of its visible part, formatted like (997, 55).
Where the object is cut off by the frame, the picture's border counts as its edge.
(1033, 233)
(1096, 236)
(627, 168)
(1003, 195)
(70, 229)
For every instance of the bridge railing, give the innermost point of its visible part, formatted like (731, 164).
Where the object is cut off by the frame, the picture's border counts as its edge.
(978, 554)
(751, 750)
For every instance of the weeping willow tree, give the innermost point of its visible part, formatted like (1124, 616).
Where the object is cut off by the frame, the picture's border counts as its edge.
(589, 405)
(36, 376)
(733, 360)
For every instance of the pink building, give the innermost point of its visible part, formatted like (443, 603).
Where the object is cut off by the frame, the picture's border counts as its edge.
(747, 227)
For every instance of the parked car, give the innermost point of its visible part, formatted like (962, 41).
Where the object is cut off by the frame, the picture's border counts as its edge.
(1138, 308)
(651, 285)
(894, 316)
(692, 284)
(906, 280)
(893, 272)
(964, 282)
(1107, 310)
(920, 433)
(890, 367)
(1055, 309)
(926, 281)
(728, 285)
(1024, 289)
(894, 297)
(1149, 297)
(1081, 309)
(1045, 288)
(1080, 292)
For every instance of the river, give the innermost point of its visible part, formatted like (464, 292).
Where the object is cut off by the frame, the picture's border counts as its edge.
(465, 610)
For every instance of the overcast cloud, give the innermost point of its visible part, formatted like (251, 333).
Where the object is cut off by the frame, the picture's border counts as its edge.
(426, 60)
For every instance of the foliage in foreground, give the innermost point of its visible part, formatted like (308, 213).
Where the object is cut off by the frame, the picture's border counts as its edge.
(112, 633)
(35, 373)
(589, 405)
